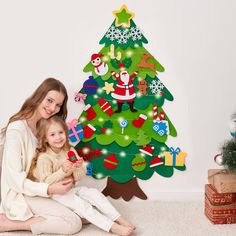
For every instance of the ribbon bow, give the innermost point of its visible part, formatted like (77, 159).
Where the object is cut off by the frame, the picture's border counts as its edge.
(80, 97)
(72, 125)
(174, 153)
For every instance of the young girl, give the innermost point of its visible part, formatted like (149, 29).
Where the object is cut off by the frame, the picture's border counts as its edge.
(51, 165)
(21, 198)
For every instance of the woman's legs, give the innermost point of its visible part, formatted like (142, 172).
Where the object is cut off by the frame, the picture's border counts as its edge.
(58, 218)
(13, 225)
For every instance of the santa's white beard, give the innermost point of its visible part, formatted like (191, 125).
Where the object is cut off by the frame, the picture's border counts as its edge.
(125, 78)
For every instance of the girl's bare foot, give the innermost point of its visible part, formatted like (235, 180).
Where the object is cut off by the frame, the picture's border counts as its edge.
(124, 222)
(121, 230)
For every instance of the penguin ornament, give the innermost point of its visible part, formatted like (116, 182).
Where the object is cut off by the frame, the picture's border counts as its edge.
(100, 67)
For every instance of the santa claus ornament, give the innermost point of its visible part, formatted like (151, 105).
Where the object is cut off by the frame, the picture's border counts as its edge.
(100, 67)
(124, 90)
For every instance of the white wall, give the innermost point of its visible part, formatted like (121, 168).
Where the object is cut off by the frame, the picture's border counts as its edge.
(194, 40)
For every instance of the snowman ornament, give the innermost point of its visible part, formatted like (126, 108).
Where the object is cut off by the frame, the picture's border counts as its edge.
(100, 67)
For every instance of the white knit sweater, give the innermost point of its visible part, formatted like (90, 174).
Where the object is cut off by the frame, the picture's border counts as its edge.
(18, 152)
(49, 167)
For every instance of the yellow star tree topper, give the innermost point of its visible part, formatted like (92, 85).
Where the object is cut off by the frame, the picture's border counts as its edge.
(123, 17)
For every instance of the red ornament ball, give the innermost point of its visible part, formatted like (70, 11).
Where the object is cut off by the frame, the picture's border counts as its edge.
(111, 162)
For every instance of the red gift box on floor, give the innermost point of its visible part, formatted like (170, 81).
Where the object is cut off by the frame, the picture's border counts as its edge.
(216, 198)
(222, 181)
(220, 208)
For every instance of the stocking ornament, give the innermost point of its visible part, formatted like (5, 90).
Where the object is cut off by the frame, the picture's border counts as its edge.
(89, 130)
(91, 114)
(139, 122)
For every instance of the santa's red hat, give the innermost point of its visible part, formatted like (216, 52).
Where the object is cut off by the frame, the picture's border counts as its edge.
(156, 161)
(95, 56)
(147, 150)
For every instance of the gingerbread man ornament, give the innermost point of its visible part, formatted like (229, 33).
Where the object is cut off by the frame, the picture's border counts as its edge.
(142, 86)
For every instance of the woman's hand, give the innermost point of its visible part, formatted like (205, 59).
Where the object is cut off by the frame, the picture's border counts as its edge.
(61, 187)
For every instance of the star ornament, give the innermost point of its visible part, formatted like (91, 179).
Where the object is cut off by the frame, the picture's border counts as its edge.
(108, 87)
(123, 17)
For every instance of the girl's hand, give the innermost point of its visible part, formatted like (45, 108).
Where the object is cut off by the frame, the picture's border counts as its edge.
(78, 163)
(67, 166)
(61, 187)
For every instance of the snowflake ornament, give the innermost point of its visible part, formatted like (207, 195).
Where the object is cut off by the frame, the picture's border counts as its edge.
(156, 86)
(111, 33)
(123, 35)
(135, 33)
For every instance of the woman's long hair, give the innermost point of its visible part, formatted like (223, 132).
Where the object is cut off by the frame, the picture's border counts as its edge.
(42, 129)
(30, 105)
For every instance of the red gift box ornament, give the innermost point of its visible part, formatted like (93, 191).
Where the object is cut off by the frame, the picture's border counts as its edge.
(105, 106)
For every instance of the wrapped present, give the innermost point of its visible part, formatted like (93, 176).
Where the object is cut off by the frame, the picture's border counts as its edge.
(220, 214)
(75, 131)
(216, 198)
(223, 181)
(161, 127)
(174, 157)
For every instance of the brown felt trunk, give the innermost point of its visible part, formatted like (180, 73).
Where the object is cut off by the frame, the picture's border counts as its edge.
(123, 190)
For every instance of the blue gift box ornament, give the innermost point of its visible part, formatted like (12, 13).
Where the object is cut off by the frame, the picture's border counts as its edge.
(161, 127)
(89, 168)
(75, 131)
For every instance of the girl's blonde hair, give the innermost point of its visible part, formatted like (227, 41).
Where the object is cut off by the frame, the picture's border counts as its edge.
(30, 105)
(42, 129)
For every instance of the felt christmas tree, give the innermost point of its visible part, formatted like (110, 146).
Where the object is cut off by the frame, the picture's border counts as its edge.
(125, 127)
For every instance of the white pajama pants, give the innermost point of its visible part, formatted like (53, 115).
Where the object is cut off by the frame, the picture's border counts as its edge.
(90, 204)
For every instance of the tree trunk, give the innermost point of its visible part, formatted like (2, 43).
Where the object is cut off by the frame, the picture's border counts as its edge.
(124, 190)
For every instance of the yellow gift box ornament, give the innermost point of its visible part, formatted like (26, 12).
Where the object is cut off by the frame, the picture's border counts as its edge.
(174, 157)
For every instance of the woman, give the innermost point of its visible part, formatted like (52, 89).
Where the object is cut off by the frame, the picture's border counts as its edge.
(26, 204)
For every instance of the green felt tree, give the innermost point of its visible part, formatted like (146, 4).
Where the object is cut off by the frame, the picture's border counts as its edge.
(125, 126)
